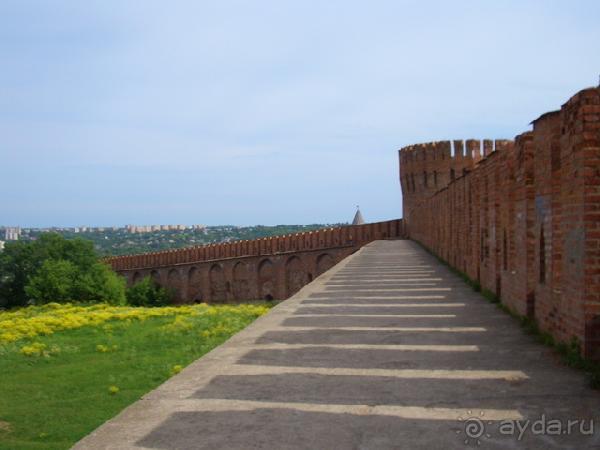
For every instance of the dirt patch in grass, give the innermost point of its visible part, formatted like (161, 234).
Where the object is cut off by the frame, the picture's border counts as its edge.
(5, 427)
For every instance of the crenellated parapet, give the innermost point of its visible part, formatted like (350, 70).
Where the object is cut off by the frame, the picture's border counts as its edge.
(353, 235)
(267, 268)
(521, 218)
(429, 167)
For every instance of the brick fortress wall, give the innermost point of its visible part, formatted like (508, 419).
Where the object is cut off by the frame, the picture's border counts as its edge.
(269, 268)
(522, 217)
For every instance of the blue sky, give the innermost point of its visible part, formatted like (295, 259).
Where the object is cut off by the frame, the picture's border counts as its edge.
(262, 112)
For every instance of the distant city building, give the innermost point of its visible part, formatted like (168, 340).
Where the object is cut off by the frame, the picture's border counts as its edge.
(137, 228)
(150, 228)
(12, 233)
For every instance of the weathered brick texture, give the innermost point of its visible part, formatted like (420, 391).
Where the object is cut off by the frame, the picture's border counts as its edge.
(522, 217)
(269, 268)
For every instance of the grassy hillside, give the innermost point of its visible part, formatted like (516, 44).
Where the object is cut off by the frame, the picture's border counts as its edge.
(65, 369)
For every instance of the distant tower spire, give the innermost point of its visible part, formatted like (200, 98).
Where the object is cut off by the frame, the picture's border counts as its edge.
(358, 218)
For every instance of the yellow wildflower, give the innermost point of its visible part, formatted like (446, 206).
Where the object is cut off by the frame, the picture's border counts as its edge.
(35, 349)
(33, 321)
(113, 390)
(176, 369)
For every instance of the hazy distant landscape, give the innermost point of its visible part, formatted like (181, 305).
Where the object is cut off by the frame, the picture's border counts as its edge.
(121, 241)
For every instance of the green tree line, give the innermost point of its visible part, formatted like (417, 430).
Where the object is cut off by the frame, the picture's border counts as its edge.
(55, 269)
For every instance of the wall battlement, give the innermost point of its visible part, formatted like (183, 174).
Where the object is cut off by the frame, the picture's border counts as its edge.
(473, 149)
(522, 217)
(430, 167)
(269, 268)
(310, 240)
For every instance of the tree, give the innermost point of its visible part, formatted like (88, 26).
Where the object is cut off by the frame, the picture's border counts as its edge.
(148, 293)
(62, 281)
(101, 284)
(53, 268)
(53, 282)
(17, 263)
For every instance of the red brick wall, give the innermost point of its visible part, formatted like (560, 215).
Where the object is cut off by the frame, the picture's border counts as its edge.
(274, 267)
(522, 217)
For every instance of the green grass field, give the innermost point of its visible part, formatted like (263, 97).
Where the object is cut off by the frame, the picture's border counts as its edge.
(58, 387)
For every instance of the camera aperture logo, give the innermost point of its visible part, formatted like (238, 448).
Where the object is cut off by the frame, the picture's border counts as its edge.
(475, 428)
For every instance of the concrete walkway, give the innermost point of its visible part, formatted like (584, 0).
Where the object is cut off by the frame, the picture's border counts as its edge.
(387, 350)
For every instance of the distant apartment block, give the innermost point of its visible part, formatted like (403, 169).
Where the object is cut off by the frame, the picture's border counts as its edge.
(150, 228)
(12, 233)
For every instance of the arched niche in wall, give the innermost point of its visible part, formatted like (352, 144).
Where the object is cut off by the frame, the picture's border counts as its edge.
(194, 291)
(218, 286)
(295, 275)
(241, 288)
(266, 280)
(324, 263)
(155, 275)
(136, 278)
(175, 285)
